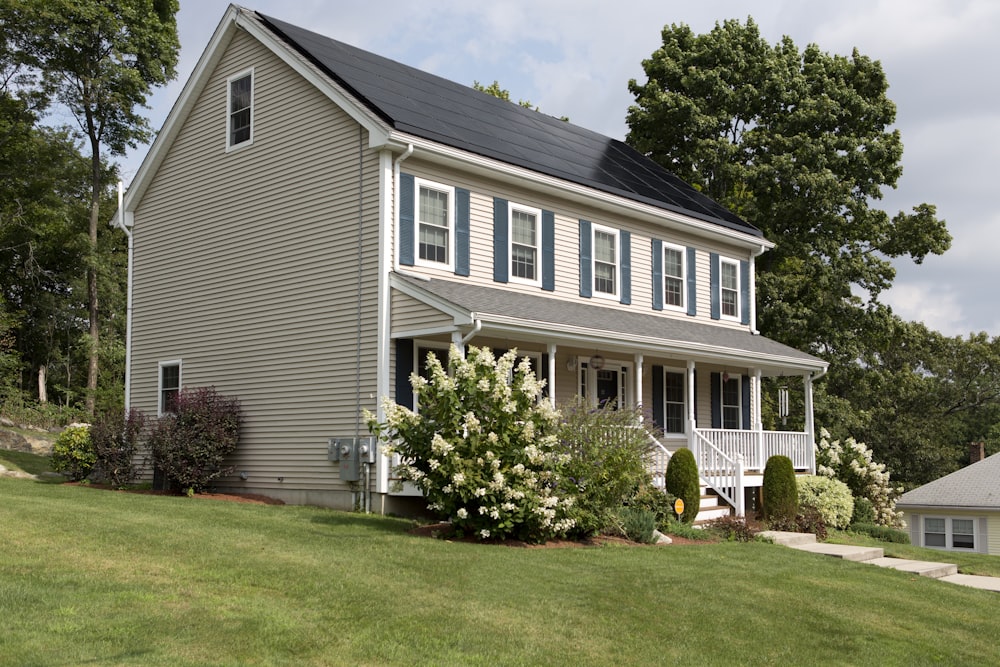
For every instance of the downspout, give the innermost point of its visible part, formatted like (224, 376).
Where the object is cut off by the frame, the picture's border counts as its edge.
(120, 222)
(753, 290)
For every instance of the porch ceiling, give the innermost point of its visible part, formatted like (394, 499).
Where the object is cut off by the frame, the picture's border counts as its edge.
(508, 312)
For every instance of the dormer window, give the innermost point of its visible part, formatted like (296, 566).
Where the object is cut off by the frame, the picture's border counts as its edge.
(240, 106)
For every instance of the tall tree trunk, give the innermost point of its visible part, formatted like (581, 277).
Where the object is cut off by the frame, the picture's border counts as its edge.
(43, 396)
(95, 211)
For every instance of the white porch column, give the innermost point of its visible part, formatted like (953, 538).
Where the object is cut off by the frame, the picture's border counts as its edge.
(638, 384)
(756, 417)
(810, 423)
(692, 418)
(456, 340)
(552, 374)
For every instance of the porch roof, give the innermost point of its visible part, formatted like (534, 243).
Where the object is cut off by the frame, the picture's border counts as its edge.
(589, 324)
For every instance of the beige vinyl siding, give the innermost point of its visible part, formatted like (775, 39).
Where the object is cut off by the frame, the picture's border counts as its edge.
(993, 533)
(567, 243)
(247, 268)
(410, 315)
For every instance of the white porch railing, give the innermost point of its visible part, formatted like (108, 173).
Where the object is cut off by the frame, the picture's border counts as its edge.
(756, 447)
(720, 471)
(659, 458)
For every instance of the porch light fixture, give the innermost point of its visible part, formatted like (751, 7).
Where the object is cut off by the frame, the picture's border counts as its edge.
(725, 377)
(597, 362)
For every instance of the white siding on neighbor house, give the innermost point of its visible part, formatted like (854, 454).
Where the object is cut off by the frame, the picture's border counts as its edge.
(567, 240)
(990, 520)
(247, 269)
(993, 533)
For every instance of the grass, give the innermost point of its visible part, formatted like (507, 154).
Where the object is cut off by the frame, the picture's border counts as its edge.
(25, 462)
(109, 578)
(968, 563)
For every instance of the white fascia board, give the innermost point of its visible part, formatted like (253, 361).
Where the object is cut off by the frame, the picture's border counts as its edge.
(455, 157)
(378, 130)
(944, 509)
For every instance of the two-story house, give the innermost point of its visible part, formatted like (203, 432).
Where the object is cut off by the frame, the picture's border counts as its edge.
(313, 218)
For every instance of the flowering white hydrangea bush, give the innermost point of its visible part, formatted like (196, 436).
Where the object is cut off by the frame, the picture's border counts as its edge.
(851, 463)
(482, 448)
(829, 496)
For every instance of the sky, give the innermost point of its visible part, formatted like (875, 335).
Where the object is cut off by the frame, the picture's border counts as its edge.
(575, 58)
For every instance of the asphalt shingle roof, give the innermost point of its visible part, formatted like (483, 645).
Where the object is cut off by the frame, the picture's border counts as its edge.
(557, 314)
(431, 107)
(976, 485)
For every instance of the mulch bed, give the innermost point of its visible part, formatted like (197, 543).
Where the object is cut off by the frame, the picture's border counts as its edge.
(251, 498)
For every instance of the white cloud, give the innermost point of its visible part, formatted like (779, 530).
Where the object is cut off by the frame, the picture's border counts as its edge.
(934, 304)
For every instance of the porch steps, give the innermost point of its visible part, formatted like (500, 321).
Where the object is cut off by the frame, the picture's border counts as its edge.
(711, 507)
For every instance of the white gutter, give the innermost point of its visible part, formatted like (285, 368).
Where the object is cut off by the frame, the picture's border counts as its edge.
(475, 329)
(119, 221)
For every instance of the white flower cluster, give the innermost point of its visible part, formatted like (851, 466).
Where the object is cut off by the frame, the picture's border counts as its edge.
(852, 463)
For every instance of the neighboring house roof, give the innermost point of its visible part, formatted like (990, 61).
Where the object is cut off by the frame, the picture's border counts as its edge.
(610, 326)
(433, 108)
(974, 486)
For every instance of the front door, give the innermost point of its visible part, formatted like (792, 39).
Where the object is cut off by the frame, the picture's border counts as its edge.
(607, 385)
(608, 388)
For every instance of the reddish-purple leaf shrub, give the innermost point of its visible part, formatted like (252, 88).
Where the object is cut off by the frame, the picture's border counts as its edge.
(114, 437)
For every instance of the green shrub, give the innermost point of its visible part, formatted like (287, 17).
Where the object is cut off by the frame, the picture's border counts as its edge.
(864, 512)
(732, 528)
(483, 449)
(853, 464)
(639, 525)
(191, 445)
(115, 437)
(607, 464)
(830, 497)
(809, 520)
(884, 533)
(781, 498)
(657, 501)
(682, 482)
(73, 453)
(687, 531)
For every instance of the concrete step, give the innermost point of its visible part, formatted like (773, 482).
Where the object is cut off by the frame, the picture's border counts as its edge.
(923, 568)
(844, 551)
(787, 539)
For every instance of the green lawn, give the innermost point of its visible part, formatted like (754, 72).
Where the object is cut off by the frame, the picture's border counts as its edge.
(968, 563)
(25, 462)
(109, 578)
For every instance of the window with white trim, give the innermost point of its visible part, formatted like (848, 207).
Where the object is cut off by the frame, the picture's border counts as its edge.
(435, 218)
(729, 288)
(168, 387)
(674, 275)
(732, 411)
(674, 405)
(239, 105)
(606, 269)
(525, 241)
(951, 533)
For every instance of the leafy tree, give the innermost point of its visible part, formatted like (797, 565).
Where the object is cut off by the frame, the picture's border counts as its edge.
(495, 90)
(797, 143)
(99, 60)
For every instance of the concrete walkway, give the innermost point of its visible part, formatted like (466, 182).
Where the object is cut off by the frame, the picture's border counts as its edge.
(876, 556)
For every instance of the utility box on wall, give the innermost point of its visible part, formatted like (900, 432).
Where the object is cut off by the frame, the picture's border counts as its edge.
(349, 453)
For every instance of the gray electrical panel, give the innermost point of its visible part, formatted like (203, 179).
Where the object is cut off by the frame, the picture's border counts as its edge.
(350, 453)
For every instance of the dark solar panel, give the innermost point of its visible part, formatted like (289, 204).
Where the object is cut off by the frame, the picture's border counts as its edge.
(434, 108)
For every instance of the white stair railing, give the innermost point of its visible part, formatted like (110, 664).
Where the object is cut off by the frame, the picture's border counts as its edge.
(659, 458)
(720, 472)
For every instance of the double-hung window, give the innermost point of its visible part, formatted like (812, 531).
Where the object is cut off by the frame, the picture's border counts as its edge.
(732, 410)
(605, 262)
(950, 533)
(673, 399)
(240, 110)
(435, 223)
(674, 276)
(169, 386)
(729, 288)
(525, 242)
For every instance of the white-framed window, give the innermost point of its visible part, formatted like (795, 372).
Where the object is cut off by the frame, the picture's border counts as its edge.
(604, 382)
(674, 276)
(168, 386)
(525, 234)
(239, 110)
(435, 220)
(729, 288)
(674, 401)
(606, 270)
(950, 533)
(732, 410)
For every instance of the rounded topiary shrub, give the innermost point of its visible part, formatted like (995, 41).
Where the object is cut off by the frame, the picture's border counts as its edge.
(682, 482)
(73, 453)
(781, 496)
(830, 497)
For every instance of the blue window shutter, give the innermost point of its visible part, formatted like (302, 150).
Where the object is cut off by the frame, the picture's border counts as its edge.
(543, 374)
(716, 400)
(407, 233)
(404, 367)
(548, 251)
(745, 292)
(500, 262)
(745, 389)
(625, 240)
(461, 232)
(658, 415)
(586, 281)
(657, 274)
(714, 277)
(692, 283)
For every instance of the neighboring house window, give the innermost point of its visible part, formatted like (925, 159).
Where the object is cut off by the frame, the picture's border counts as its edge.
(674, 405)
(435, 223)
(605, 262)
(950, 533)
(673, 276)
(168, 386)
(525, 241)
(240, 106)
(729, 288)
(731, 408)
